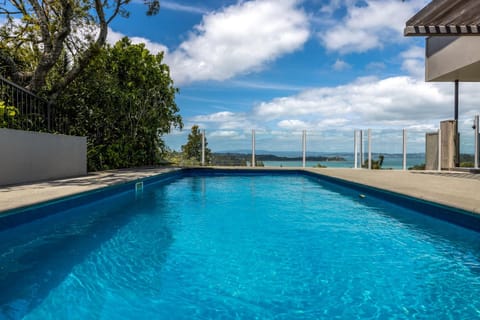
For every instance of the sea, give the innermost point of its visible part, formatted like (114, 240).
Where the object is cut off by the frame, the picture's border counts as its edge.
(391, 161)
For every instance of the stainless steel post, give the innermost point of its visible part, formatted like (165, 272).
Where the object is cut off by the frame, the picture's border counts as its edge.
(304, 147)
(355, 149)
(404, 149)
(361, 149)
(369, 149)
(253, 148)
(203, 147)
(439, 168)
(477, 146)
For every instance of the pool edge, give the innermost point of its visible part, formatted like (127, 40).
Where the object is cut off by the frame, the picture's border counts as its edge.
(452, 214)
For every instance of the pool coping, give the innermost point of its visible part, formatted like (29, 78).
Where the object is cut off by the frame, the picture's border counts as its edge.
(405, 186)
(22, 196)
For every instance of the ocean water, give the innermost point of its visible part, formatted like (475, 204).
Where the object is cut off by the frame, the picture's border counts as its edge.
(265, 247)
(390, 162)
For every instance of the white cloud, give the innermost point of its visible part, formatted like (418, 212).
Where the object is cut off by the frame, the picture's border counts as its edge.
(153, 47)
(226, 134)
(370, 26)
(414, 52)
(330, 114)
(332, 123)
(366, 102)
(375, 66)
(171, 5)
(239, 39)
(292, 124)
(224, 120)
(386, 103)
(341, 65)
(414, 62)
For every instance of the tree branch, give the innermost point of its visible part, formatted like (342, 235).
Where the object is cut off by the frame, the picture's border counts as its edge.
(52, 53)
(83, 61)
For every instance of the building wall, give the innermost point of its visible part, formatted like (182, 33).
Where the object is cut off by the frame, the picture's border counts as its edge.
(32, 156)
(448, 146)
(449, 143)
(431, 151)
(450, 61)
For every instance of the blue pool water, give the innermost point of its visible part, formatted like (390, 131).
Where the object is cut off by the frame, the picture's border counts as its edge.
(239, 247)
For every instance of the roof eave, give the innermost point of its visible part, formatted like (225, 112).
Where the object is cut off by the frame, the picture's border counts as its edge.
(450, 30)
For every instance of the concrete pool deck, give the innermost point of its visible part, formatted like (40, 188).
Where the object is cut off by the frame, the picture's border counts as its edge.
(453, 189)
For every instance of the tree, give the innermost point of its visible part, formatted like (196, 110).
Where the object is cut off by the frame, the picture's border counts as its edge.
(192, 150)
(376, 164)
(63, 35)
(124, 101)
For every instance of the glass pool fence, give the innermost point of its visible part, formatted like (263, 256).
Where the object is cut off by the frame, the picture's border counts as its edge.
(398, 149)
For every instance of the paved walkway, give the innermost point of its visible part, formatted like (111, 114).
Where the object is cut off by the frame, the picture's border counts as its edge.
(12, 197)
(460, 191)
(447, 188)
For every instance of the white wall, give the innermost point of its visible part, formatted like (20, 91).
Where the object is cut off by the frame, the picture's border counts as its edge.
(32, 156)
(458, 60)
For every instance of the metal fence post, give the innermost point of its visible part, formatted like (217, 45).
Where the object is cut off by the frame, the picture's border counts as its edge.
(369, 149)
(253, 148)
(477, 146)
(355, 149)
(404, 149)
(203, 147)
(439, 167)
(361, 149)
(304, 147)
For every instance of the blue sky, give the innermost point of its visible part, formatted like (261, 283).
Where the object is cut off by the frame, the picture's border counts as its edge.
(283, 66)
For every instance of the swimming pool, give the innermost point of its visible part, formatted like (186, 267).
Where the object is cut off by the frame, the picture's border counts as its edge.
(239, 246)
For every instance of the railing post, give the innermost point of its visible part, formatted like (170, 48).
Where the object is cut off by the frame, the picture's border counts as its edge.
(304, 147)
(49, 124)
(253, 148)
(439, 167)
(404, 149)
(355, 149)
(203, 147)
(369, 149)
(361, 149)
(477, 146)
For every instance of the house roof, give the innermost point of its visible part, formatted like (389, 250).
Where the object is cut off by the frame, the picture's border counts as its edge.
(446, 18)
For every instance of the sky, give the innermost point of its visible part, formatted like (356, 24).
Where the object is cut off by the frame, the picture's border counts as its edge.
(283, 66)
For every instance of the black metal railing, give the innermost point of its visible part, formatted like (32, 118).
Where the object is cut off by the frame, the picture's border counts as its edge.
(23, 110)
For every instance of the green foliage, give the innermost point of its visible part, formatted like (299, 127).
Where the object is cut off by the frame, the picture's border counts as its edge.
(124, 101)
(417, 167)
(8, 115)
(467, 160)
(192, 150)
(376, 164)
(229, 159)
(467, 164)
(42, 40)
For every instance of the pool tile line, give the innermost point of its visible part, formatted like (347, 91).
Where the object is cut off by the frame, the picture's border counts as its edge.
(458, 216)
(19, 215)
(463, 218)
(14, 217)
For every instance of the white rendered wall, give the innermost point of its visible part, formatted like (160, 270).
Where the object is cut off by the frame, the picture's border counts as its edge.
(459, 60)
(32, 156)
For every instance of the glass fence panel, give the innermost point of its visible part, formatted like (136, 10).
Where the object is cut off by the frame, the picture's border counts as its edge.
(467, 140)
(280, 148)
(230, 147)
(387, 149)
(326, 148)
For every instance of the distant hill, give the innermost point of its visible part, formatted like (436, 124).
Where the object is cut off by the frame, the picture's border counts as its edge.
(240, 159)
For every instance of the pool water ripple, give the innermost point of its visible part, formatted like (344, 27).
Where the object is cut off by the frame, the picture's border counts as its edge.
(266, 247)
